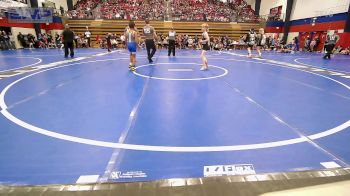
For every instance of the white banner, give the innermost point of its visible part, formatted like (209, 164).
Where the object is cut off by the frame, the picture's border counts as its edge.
(30, 15)
(227, 170)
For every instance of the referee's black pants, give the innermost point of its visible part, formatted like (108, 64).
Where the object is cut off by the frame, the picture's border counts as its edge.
(329, 49)
(68, 45)
(150, 46)
(171, 47)
(89, 41)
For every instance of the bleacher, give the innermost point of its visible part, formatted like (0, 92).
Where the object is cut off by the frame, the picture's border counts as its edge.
(101, 27)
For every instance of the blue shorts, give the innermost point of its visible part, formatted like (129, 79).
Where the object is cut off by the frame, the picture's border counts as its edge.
(132, 47)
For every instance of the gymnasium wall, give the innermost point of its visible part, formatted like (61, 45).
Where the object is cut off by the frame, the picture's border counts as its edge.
(26, 28)
(315, 8)
(16, 30)
(53, 32)
(291, 36)
(307, 8)
(314, 16)
(266, 5)
(56, 24)
(321, 23)
(251, 3)
(75, 2)
(58, 3)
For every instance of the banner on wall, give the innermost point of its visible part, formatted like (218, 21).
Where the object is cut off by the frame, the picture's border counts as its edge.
(22, 1)
(30, 15)
(276, 12)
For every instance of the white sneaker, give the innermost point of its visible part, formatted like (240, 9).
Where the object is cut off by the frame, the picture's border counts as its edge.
(202, 68)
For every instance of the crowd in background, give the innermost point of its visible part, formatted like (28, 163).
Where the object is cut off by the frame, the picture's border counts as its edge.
(193, 42)
(187, 10)
(119, 9)
(136, 9)
(314, 44)
(84, 8)
(81, 41)
(7, 41)
(46, 41)
(341, 50)
(275, 17)
(212, 10)
(43, 40)
(182, 42)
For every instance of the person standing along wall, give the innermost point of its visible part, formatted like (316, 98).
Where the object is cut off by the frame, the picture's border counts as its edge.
(296, 43)
(12, 41)
(68, 37)
(330, 44)
(88, 36)
(20, 39)
(172, 37)
(109, 43)
(251, 41)
(150, 35)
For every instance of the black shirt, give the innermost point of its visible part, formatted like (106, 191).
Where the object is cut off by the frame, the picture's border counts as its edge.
(20, 37)
(68, 35)
(108, 38)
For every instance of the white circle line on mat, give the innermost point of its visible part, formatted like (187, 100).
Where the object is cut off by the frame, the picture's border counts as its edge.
(54, 134)
(179, 79)
(39, 61)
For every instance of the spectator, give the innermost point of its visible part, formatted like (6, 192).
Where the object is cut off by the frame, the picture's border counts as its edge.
(307, 43)
(20, 39)
(109, 41)
(312, 45)
(346, 51)
(68, 37)
(12, 41)
(2, 41)
(88, 36)
(61, 10)
(214, 10)
(6, 41)
(296, 43)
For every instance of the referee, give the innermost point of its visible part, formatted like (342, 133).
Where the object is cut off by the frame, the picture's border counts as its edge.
(330, 44)
(172, 36)
(68, 37)
(150, 35)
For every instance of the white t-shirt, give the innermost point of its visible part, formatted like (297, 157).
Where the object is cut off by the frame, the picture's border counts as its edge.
(12, 39)
(172, 35)
(87, 34)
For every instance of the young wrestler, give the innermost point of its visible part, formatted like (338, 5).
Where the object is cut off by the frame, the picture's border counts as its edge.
(261, 41)
(250, 40)
(205, 46)
(132, 39)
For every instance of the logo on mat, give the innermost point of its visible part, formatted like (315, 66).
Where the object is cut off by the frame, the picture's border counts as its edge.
(227, 170)
(128, 174)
